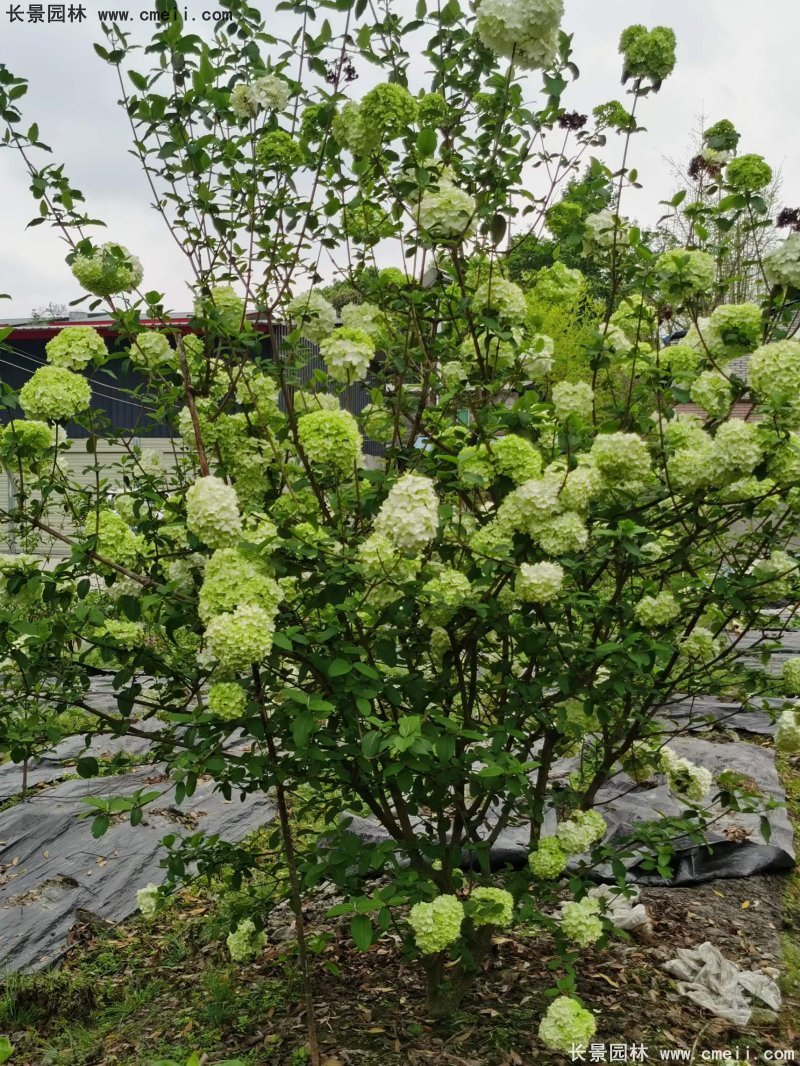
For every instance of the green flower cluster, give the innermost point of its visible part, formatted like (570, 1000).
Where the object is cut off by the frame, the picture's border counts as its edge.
(151, 349)
(116, 541)
(734, 329)
(573, 399)
(227, 700)
(648, 53)
(26, 439)
(782, 264)
(279, 149)
(516, 458)
(502, 299)
(377, 422)
(446, 213)
(436, 925)
(739, 448)
(655, 612)
(600, 229)
(315, 316)
(245, 942)
(75, 347)
(271, 92)
(580, 921)
(694, 467)
(331, 440)
(580, 831)
(386, 111)
(306, 402)
(787, 734)
(241, 637)
(612, 114)
(387, 569)
(222, 307)
(433, 110)
(148, 900)
(369, 319)
(790, 674)
(685, 274)
(711, 390)
(54, 394)
(548, 860)
(748, 173)
(107, 270)
(566, 1025)
(621, 457)
(260, 391)
(774, 374)
(559, 285)
(686, 780)
(232, 577)
(636, 318)
(510, 456)
(722, 136)
(128, 635)
(681, 361)
(443, 595)
(700, 645)
(383, 114)
(493, 906)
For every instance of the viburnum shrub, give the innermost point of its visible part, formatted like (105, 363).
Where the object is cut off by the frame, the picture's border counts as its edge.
(530, 569)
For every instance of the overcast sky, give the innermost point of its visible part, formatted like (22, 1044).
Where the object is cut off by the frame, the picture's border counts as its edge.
(736, 60)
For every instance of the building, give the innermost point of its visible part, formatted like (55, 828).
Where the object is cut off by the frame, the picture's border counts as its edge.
(114, 395)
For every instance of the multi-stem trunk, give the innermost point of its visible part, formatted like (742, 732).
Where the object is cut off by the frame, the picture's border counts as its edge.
(447, 983)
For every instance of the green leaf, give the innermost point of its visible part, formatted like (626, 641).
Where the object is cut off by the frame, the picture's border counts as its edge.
(361, 931)
(6, 1049)
(302, 728)
(339, 667)
(88, 766)
(498, 228)
(100, 825)
(370, 744)
(426, 142)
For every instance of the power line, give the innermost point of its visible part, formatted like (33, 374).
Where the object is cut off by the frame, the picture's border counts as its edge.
(97, 387)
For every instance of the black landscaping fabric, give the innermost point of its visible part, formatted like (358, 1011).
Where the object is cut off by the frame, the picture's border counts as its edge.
(51, 867)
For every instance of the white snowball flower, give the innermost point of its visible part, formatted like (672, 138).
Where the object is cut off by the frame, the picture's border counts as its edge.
(271, 92)
(409, 516)
(523, 30)
(212, 512)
